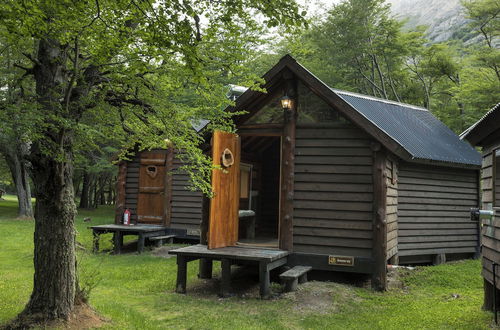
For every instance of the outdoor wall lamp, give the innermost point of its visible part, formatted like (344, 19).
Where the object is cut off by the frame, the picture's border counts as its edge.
(286, 102)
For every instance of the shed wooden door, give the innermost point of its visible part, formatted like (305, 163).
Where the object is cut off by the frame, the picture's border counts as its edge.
(223, 220)
(151, 200)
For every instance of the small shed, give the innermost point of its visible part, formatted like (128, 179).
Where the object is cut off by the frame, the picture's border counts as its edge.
(155, 191)
(486, 134)
(343, 181)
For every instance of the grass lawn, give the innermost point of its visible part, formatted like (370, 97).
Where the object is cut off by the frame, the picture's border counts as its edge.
(136, 291)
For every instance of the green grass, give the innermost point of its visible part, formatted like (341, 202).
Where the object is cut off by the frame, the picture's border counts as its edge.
(136, 291)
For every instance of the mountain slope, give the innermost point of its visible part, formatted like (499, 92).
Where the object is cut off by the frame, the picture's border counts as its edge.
(445, 18)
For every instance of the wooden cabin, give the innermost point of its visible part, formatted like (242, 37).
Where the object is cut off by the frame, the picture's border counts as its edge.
(340, 181)
(486, 134)
(343, 181)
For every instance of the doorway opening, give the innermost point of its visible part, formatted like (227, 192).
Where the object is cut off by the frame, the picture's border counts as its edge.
(260, 173)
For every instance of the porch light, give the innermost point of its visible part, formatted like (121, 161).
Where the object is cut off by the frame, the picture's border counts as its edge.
(286, 102)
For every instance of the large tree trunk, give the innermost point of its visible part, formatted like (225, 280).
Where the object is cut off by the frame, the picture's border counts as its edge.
(54, 255)
(54, 281)
(19, 170)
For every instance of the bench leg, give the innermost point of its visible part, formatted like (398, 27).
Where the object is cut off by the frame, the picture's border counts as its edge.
(95, 248)
(291, 285)
(159, 243)
(205, 268)
(140, 243)
(303, 279)
(264, 280)
(118, 242)
(180, 287)
(225, 284)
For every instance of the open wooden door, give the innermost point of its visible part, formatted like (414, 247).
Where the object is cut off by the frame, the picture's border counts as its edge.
(223, 220)
(151, 206)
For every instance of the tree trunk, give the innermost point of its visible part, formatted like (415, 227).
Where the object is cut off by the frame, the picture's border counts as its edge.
(54, 255)
(54, 280)
(19, 170)
(85, 199)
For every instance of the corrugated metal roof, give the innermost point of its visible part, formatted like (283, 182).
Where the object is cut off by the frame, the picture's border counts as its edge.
(487, 116)
(413, 128)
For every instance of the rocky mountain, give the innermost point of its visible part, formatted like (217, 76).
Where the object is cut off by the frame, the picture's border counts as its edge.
(445, 18)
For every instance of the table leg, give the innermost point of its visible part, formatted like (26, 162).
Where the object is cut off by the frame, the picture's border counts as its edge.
(264, 280)
(140, 243)
(205, 268)
(225, 284)
(181, 274)
(95, 248)
(118, 242)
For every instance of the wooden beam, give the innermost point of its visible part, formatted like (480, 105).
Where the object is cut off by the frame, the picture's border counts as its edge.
(169, 167)
(288, 168)
(379, 249)
(121, 183)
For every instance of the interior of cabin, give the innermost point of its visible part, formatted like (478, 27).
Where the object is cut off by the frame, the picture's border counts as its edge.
(259, 190)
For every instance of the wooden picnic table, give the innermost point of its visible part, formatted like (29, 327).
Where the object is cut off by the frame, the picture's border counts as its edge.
(267, 260)
(143, 231)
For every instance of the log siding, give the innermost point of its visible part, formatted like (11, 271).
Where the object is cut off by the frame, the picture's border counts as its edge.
(434, 210)
(333, 194)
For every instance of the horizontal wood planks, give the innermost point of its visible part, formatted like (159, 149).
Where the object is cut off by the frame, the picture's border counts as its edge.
(186, 204)
(434, 210)
(132, 186)
(392, 207)
(333, 191)
(491, 229)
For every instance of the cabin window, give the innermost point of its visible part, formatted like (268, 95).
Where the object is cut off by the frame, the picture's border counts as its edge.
(271, 113)
(496, 178)
(312, 109)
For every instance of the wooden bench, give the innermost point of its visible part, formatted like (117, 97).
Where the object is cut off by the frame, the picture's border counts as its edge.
(292, 277)
(160, 240)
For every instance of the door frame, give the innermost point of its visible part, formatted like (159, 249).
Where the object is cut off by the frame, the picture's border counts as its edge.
(264, 131)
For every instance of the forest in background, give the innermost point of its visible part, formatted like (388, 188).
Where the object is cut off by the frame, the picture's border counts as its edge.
(356, 45)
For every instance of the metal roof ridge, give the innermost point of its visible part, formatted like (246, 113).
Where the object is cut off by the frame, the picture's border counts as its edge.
(377, 99)
(468, 130)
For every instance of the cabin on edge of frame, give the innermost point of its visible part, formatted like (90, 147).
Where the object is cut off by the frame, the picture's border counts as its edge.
(485, 133)
(337, 174)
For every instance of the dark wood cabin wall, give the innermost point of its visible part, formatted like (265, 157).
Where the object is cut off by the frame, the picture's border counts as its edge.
(434, 210)
(392, 207)
(186, 204)
(132, 186)
(333, 195)
(491, 229)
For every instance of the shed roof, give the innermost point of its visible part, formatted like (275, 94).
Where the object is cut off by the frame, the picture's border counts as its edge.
(411, 132)
(485, 126)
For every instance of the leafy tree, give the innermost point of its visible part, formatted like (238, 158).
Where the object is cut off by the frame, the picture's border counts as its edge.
(14, 144)
(123, 63)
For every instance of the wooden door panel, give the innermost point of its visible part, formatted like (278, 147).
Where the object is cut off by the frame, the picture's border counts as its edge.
(223, 220)
(151, 198)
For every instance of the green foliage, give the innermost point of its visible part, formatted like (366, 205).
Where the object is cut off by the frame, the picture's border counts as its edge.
(132, 73)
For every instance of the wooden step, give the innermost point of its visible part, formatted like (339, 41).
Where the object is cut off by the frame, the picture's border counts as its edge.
(292, 277)
(161, 239)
